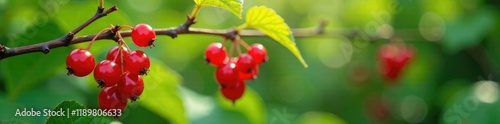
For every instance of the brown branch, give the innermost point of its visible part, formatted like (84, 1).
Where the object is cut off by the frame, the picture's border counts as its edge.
(65, 40)
(6, 52)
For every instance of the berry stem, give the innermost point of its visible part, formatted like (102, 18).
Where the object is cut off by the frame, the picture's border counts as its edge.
(94, 39)
(237, 46)
(230, 54)
(119, 49)
(242, 42)
(128, 26)
(224, 41)
(121, 56)
(123, 41)
(126, 46)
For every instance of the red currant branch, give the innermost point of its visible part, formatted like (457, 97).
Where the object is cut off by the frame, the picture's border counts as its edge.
(6, 52)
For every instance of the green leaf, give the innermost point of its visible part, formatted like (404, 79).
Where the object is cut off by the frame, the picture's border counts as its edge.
(26, 71)
(250, 105)
(319, 118)
(468, 31)
(271, 24)
(160, 93)
(233, 6)
(467, 101)
(67, 107)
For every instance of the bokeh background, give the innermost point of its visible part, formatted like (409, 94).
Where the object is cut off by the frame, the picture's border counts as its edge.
(451, 79)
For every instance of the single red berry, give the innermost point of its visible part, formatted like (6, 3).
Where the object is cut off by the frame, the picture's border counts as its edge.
(245, 63)
(107, 73)
(110, 98)
(249, 75)
(137, 63)
(215, 54)
(80, 62)
(143, 35)
(258, 53)
(234, 91)
(393, 59)
(131, 86)
(226, 74)
(115, 53)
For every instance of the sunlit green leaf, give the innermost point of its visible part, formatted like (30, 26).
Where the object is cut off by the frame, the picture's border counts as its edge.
(250, 105)
(271, 24)
(233, 6)
(319, 118)
(160, 93)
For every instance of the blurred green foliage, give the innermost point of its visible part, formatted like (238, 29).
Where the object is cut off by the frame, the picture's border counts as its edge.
(454, 40)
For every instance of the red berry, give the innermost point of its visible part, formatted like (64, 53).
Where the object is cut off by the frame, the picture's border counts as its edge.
(143, 35)
(258, 52)
(226, 74)
(131, 86)
(138, 63)
(234, 91)
(245, 63)
(249, 75)
(215, 54)
(107, 73)
(393, 59)
(115, 53)
(109, 98)
(80, 62)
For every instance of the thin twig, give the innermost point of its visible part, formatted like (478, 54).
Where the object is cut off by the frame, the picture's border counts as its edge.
(99, 14)
(172, 32)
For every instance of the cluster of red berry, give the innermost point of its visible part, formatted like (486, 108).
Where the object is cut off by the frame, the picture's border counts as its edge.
(393, 58)
(120, 73)
(231, 73)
